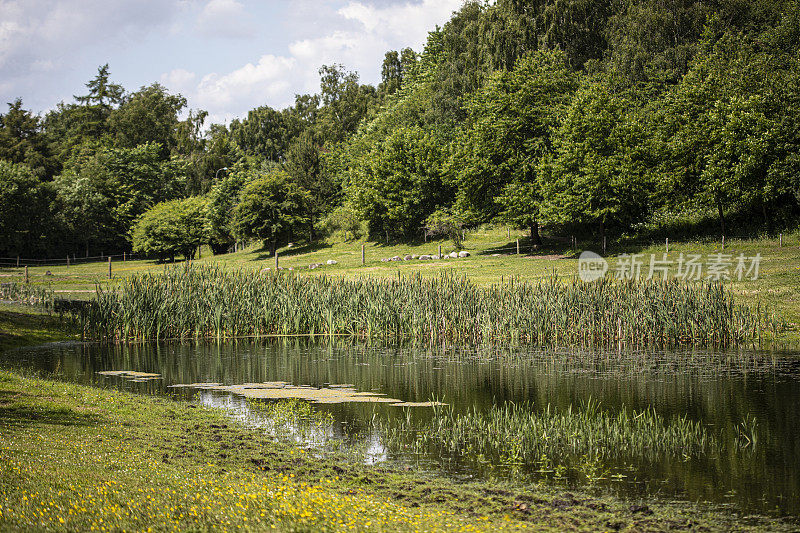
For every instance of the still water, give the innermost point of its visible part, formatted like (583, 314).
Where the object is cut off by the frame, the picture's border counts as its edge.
(721, 390)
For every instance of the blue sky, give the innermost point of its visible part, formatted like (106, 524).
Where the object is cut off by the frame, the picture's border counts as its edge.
(225, 56)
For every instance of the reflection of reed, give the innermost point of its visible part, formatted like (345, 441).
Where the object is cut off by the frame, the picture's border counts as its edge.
(209, 302)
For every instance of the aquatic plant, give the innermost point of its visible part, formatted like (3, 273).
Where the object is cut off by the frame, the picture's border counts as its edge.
(28, 294)
(210, 302)
(581, 440)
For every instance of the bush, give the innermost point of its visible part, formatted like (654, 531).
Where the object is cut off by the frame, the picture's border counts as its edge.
(172, 228)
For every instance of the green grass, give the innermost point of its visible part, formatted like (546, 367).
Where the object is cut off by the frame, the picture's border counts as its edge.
(23, 326)
(78, 458)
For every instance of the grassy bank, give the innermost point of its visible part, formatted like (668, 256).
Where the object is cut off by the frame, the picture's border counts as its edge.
(81, 458)
(22, 325)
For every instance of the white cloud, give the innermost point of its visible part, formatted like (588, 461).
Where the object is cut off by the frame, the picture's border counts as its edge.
(409, 22)
(49, 48)
(42, 40)
(247, 87)
(225, 18)
(179, 80)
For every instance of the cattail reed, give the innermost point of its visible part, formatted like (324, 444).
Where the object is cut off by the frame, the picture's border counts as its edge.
(207, 302)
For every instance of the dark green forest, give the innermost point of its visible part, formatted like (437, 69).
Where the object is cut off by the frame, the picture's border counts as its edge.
(623, 118)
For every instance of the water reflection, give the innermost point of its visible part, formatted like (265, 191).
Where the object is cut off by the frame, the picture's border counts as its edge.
(721, 390)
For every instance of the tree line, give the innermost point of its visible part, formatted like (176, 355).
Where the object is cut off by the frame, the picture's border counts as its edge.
(618, 117)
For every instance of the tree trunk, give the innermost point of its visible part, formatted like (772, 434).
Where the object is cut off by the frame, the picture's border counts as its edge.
(603, 235)
(312, 233)
(721, 216)
(767, 217)
(536, 239)
(87, 248)
(273, 246)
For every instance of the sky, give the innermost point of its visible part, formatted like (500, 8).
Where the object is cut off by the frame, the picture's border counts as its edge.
(224, 56)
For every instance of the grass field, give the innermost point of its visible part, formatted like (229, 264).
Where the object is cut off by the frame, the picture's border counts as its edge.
(777, 286)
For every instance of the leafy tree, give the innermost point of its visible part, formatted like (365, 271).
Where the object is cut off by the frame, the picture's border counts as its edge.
(24, 210)
(264, 133)
(444, 222)
(397, 184)
(271, 208)
(345, 102)
(509, 130)
(22, 140)
(84, 210)
(345, 219)
(149, 115)
(729, 130)
(223, 197)
(595, 173)
(113, 186)
(176, 227)
(304, 165)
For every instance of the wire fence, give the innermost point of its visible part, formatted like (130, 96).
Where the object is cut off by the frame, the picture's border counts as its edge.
(521, 246)
(19, 262)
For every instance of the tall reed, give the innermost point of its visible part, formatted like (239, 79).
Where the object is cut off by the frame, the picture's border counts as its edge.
(28, 294)
(209, 302)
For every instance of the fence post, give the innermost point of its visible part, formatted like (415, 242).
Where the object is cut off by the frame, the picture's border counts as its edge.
(362, 256)
(517, 246)
(109, 267)
(440, 251)
(276, 259)
(604, 245)
(508, 233)
(124, 256)
(17, 261)
(723, 242)
(667, 244)
(26, 274)
(67, 261)
(780, 241)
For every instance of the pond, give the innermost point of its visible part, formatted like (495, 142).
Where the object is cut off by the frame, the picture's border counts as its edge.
(746, 403)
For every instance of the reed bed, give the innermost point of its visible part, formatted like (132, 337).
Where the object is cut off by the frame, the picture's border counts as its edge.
(209, 302)
(517, 435)
(27, 294)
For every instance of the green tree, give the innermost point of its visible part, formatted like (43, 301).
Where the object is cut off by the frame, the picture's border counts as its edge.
(176, 227)
(345, 102)
(397, 184)
(85, 212)
(511, 119)
(113, 186)
(595, 174)
(150, 115)
(271, 208)
(264, 133)
(24, 211)
(729, 131)
(304, 165)
(22, 140)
